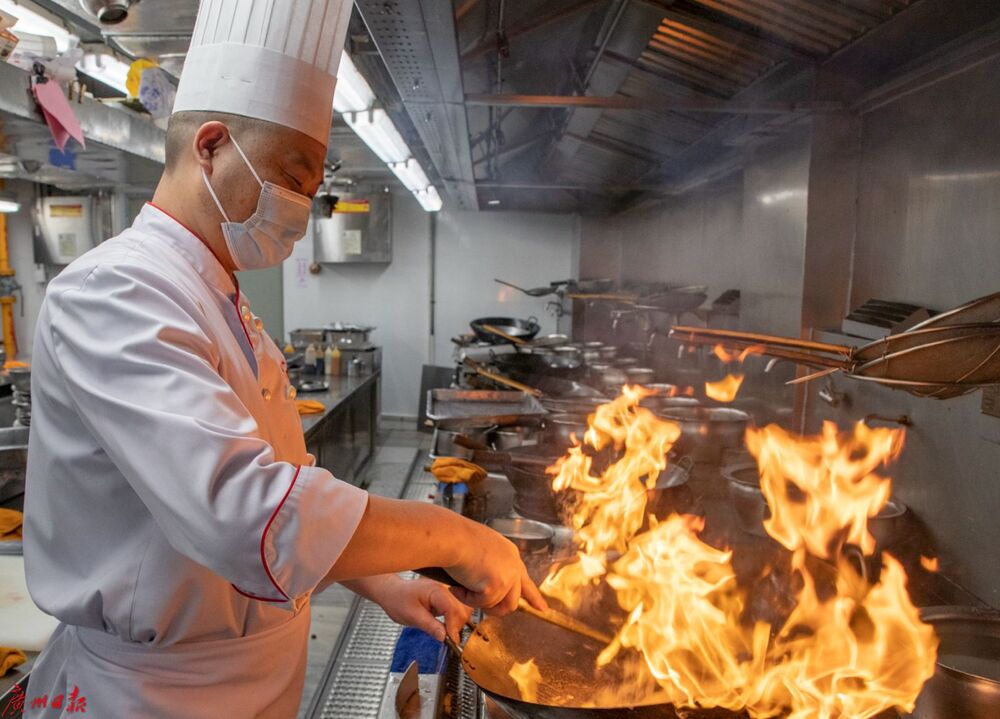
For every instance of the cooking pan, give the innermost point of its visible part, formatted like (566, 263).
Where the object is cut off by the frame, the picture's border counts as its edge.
(521, 329)
(567, 664)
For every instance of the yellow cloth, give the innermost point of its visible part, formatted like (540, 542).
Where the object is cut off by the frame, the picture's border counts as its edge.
(10, 526)
(134, 77)
(10, 658)
(309, 406)
(452, 470)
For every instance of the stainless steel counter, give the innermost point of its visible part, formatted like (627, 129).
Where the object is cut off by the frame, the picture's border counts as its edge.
(342, 437)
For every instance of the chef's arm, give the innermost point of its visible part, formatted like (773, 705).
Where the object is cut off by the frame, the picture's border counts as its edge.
(415, 603)
(395, 535)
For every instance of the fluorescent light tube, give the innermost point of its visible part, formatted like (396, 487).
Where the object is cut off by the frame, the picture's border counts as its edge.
(352, 94)
(377, 131)
(31, 22)
(429, 199)
(411, 174)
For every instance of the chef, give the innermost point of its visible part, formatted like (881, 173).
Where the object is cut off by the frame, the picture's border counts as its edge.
(174, 522)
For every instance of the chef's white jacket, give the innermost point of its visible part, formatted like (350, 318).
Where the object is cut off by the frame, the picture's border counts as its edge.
(174, 522)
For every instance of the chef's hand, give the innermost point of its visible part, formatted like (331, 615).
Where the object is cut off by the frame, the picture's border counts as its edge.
(419, 602)
(492, 574)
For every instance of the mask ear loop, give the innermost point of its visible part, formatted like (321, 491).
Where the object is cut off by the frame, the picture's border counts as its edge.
(243, 155)
(215, 197)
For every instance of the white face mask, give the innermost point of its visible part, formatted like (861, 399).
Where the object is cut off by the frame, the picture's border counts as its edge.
(265, 239)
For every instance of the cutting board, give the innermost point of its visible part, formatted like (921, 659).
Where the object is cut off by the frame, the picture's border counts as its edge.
(22, 624)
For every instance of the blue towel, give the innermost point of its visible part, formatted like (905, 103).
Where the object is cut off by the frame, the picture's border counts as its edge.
(421, 647)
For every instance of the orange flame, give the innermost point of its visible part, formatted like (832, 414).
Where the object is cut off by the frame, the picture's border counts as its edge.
(527, 677)
(728, 357)
(848, 648)
(931, 564)
(726, 389)
(610, 507)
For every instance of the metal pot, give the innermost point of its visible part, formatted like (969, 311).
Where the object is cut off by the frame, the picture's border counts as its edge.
(625, 362)
(526, 534)
(344, 335)
(514, 436)
(671, 494)
(639, 375)
(561, 428)
(748, 500)
(590, 356)
(444, 444)
(608, 377)
(752, 510)
(966, 683)
(608, 353)
(568, 351)
(706, 432)
(304, 337)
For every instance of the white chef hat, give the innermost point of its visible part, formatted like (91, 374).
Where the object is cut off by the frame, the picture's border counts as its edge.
(273, 60)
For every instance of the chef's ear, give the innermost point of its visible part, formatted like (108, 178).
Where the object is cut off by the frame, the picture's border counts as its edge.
(208, 140)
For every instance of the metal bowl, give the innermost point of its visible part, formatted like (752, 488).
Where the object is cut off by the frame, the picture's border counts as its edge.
(526, 534)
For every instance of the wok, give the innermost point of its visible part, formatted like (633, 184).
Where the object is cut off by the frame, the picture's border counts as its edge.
(527, 366)
(567, 665)
(521, 329)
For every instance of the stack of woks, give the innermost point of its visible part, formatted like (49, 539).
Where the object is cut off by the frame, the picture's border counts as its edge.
(948, 355)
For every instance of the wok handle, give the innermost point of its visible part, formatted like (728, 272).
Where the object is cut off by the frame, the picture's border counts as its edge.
(438, 574)
(502, 379)
(492, 329)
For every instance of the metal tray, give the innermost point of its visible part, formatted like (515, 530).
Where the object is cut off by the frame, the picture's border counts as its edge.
(481, 407)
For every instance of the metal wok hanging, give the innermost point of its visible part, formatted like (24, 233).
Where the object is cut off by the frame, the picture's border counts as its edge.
(509, 326)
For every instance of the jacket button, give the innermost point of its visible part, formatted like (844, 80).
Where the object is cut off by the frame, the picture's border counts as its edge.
(246, 314)
(290, 392)
(259, 324)
(266, 394)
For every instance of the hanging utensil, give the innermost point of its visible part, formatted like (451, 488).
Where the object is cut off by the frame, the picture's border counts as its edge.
(516, 341)
(533, 292)
(984, 309)
(522, 329)
(694, 334)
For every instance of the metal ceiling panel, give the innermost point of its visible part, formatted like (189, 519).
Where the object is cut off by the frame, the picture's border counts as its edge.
(816, 26)
(416, 39)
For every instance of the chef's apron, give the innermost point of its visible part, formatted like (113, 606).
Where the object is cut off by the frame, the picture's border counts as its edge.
(262, 674)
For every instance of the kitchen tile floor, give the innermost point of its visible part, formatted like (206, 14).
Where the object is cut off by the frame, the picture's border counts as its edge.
(397, 444)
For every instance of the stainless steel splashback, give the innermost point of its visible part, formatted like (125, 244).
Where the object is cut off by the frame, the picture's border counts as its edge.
(360, 231)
